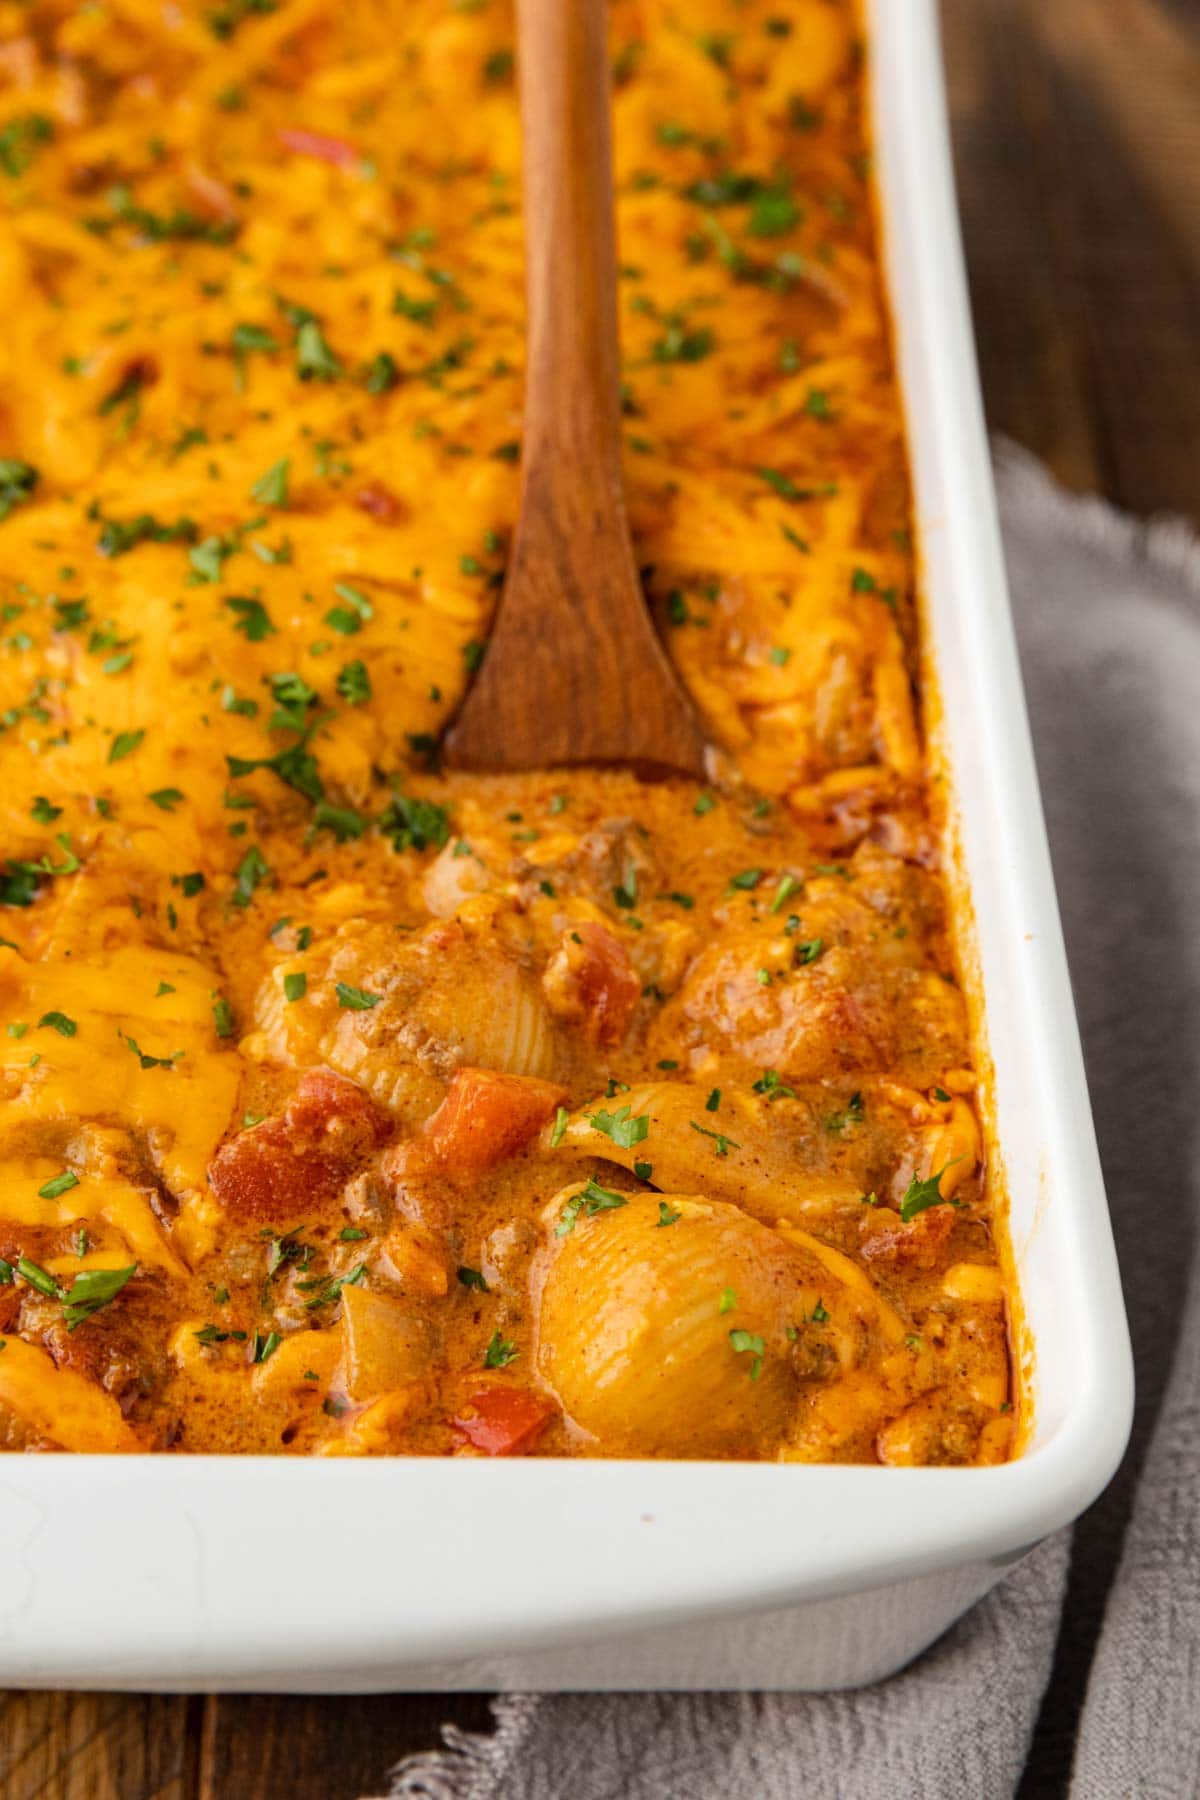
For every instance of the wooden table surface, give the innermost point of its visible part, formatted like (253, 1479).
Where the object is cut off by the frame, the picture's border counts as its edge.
(1077, 131)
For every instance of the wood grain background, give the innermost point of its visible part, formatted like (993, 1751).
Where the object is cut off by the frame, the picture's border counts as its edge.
(1077, 133)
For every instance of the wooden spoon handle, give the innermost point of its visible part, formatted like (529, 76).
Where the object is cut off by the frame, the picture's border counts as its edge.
(574, 670)
(572, 408)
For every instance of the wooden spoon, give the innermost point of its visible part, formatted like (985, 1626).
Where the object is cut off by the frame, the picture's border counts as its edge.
(574, 671)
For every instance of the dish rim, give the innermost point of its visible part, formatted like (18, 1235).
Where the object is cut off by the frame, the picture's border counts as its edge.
(208, 1545)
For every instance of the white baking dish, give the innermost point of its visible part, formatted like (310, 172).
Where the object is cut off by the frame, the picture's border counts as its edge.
(217, 1572)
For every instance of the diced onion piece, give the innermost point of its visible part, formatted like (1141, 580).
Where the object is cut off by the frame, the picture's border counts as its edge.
(387, 1345)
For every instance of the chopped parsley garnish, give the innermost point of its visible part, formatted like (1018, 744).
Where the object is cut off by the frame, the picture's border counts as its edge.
(59, 1184)
(329, 1291)
(124, 744)
(772, 213)
(626, 895)
(37, 1278)
(211, 1334)
(207, 558)
(92, 1289)
(251, 617)
(746, 879)
(119, 536)
(20, 139)
(271, 488)
(17, 482)
(592, 1200)
(89, 1291)
(561, 1120)
(920, 1195)
(166, 799)
(354, 683)
(668, 1215)
(782, 484)
(222, 1017)
(421, 312)
(624, 1131)
(500, 1352)
(353, 615)
(498, 67)
(265, 1346)
(808, 951)
(788, 885)
(381, 374)
(345, 824)
(473, 1278)
(769, 1084)
(252, 337)
(251, 872)
(679, 346)
(415, 824)
(728, 1300)
(180, 226)
(147, 1061)
(356, 999)
(58, 1021)
(747, 1342)
(852, 1114)
(722, 1144)
(315, 361)
(295, 985)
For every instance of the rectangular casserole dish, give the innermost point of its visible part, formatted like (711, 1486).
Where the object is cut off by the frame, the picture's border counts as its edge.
(463, 1573)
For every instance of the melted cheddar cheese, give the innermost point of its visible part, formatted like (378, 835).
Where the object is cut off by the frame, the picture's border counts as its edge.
(351, 1108)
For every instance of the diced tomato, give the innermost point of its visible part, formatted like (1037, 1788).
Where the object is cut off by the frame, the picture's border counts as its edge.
(885, 1238)
(380, 502)
(282, 1168)
(504, 1421)
(488, 1116)
(327, 149)
(590, 978)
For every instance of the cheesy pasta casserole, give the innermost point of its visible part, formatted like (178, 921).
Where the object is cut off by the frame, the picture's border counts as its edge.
(355, 1108)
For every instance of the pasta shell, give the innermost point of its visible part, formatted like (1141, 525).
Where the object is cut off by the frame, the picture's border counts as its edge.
(776, 1159)
(680, 1326)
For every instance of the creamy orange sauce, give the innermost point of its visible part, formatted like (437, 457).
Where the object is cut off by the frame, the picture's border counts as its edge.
(350, 1108)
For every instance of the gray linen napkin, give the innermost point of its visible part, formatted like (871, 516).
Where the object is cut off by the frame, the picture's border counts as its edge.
(1083, 1668)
